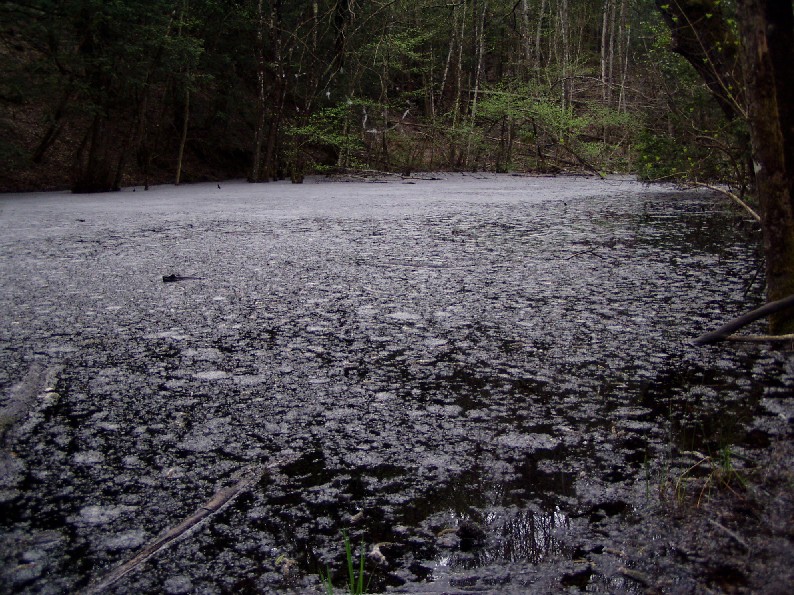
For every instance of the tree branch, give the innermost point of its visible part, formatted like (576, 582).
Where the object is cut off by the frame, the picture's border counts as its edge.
(727, 329)
(733, 197)
(219, 500)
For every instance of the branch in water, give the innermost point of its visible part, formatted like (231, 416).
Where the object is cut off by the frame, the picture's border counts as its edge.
(219, 500)
(733, 197)
(727, 329)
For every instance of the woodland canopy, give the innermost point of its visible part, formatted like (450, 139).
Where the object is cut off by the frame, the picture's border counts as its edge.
(97, 95)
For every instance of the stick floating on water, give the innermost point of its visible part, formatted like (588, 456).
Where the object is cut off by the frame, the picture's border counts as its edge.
(245, 479)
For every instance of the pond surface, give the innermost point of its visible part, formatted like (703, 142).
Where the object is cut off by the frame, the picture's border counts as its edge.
(488, 380)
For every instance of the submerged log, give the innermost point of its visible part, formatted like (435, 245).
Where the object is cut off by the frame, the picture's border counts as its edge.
(727, 329)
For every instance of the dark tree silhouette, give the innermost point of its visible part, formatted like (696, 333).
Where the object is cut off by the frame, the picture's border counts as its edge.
(767, 28)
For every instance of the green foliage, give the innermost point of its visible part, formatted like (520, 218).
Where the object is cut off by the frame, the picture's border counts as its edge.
(402, 46)
(711, 155)
(560, 121)
(328, 126)
(355, 570)
(706, 474)
(325, 580)
(666, 158)
(684, 133)
(600, 115)
(662, 157)
(538, 118)
(132, 66)
(355, 580)
(500, 102)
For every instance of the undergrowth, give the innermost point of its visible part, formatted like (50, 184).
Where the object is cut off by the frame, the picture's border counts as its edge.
(709, 472)
(355, 576)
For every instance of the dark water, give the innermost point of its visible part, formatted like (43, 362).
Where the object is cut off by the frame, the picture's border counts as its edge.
(491, 378)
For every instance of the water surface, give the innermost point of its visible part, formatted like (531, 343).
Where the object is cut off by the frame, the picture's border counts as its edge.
(488, 375)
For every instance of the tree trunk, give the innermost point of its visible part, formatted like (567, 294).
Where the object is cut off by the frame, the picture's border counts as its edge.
(453, 152)
(565, 54)
(526, 34)
(279, 92)
(768, 33)
(624, 55)
(343, 17)
(448, 63)
(538, 33)
(259, 135)
(92, 170)
(479, 36)
(186, 112)
(55, 127)
(459, 70)
(270, 95)
(604, 44)
(611, 53)
(183, 137)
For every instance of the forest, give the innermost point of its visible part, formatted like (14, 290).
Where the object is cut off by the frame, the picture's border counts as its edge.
(471, 385)
(97, 95)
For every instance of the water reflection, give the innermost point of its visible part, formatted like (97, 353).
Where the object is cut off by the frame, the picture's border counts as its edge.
(526, 535)
(514, 535)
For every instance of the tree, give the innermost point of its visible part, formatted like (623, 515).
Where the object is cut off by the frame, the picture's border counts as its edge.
(133, 92)
(767, 28)
(753, 79)
(706, 37)
(120, 53)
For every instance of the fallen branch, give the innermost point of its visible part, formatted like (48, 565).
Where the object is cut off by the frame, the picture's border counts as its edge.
(636, 575)
(759, 338)
(733, 197)
(219, 500)
(726, 330)
(732, 534)
(588, 251)
(582, 161)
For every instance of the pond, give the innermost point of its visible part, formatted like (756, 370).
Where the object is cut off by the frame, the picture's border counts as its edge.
(486, 379)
